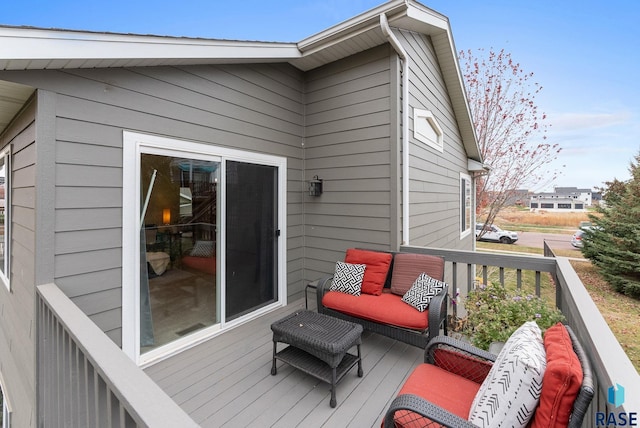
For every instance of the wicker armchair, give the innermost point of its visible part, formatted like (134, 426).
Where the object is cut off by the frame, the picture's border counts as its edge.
(457, 362)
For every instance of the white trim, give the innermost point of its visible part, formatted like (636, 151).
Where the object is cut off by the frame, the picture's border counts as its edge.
(6, 405)
(36, 44)
(404, 57)
(134, 144)
(466, 232)
(5, 242)
(427, 129)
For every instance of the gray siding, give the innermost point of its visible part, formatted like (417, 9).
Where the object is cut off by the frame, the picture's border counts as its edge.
(17, 329)
(251, 107)
(434, 176)
(349, 144)
(340, 122)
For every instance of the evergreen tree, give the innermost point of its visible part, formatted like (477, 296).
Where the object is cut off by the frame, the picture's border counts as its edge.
(613, 244)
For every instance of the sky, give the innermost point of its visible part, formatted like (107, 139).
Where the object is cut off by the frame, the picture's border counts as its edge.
(582, 52)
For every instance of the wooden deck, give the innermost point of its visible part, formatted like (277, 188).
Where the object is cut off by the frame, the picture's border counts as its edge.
(226, 381)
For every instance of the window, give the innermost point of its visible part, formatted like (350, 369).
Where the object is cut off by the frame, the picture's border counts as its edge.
(534, 205)
(564, 206)
(465, 205)
(427, 130)
(547, 205)
(5, 216)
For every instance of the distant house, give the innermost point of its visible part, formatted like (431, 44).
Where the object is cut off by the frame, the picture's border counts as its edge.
(562, 199)
(519, 197)
(163, 183)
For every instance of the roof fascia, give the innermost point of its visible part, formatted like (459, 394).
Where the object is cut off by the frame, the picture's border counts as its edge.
(444, 45)
(412, 16)
(21, 43)
(352, 27)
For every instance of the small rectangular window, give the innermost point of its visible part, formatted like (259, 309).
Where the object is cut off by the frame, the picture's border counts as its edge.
(5, 216)
(465, 204)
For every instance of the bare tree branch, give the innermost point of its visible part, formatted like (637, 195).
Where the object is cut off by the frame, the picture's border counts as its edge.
(511, 131)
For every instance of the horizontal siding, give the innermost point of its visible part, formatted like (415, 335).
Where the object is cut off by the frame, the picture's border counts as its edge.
(434, 176)
(348, 140)
(17, 329)
(248, 107)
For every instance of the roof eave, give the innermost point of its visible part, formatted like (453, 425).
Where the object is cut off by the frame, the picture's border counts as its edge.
(32, 48)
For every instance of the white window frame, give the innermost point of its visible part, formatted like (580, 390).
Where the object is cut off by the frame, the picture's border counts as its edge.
(5, 274)
(435, 137)
(464, 179)
(134, 144)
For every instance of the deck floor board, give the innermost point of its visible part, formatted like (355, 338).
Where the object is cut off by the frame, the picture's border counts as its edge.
(227, 382)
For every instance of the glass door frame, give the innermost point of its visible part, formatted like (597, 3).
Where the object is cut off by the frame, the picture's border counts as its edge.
(134, 145)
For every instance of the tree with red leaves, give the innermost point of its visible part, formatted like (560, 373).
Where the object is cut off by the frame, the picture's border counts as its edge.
(511, 131)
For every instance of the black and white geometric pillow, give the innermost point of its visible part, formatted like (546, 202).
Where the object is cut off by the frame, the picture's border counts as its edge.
(511, 391)
(348, 278)
(424, 289)
(203, 249)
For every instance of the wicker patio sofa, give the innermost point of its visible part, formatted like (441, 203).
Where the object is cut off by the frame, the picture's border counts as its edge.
(379, 307)
(459, 385)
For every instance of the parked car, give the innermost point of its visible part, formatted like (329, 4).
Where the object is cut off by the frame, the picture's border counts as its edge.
(493, 233)
(576, 239)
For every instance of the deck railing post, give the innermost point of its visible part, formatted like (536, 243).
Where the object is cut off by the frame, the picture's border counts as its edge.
(84, 379)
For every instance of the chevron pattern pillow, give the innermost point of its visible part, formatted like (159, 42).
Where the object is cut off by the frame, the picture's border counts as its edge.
(347, 278)
(424, 289)
(510, 393)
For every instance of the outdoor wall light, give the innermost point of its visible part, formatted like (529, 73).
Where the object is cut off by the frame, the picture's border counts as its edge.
(166, 216)
(315, 186)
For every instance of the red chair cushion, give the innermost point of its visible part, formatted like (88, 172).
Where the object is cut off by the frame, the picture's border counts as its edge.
(407, 267)
(375, 275)
(461, 364)
(203, 264)
(561, 381)
(442, 388)
(386, 308)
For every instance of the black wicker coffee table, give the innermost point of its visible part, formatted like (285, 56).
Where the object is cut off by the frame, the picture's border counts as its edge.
(318, 346)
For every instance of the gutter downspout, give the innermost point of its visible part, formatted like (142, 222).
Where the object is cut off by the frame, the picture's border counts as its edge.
(395, 43)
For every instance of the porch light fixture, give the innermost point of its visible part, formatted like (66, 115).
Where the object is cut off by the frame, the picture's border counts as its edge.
(315, 186)
(166, 216)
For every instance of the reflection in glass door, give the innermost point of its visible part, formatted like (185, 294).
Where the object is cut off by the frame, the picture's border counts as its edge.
(251, 237)
(179, 292)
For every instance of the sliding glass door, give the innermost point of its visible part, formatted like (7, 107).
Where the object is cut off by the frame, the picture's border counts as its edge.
(202, 227)
(179, 285)
(252, 232)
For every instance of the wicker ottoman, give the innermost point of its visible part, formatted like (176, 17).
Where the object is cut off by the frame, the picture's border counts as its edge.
(318, 346)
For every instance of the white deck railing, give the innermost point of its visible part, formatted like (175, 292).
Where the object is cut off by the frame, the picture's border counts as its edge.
(85, 380)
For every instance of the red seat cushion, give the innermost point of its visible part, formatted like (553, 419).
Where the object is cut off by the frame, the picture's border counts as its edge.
(386, 308)
(440, 387)
(203, 264)
(561, 381)
(375, 275)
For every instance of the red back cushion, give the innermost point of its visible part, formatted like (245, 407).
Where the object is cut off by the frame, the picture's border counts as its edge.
(561, 381)
(375, 274)
(407, 267)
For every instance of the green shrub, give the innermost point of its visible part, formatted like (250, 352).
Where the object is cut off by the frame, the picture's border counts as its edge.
(493, 314)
